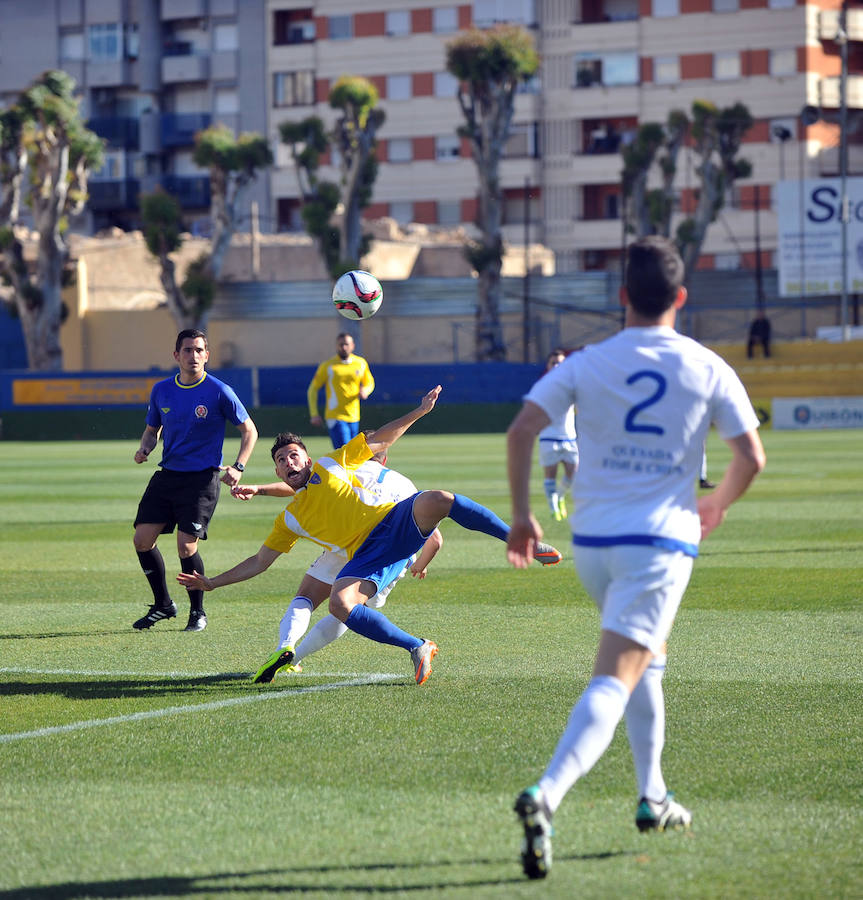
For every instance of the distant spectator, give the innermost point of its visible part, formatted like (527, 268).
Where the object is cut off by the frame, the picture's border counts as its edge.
(759, 333)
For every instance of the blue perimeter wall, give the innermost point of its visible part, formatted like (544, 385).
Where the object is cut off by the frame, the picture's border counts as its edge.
(286, 386)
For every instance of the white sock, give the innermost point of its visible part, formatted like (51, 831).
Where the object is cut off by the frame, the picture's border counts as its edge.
(295, 621)
(587, 736)
(549, 485)
(645, 725)
(323, 632)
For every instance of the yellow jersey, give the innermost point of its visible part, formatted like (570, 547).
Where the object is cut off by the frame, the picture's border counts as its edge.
(342, 380)
(334, 509)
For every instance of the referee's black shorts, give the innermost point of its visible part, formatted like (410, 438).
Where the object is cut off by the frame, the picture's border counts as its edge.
(185, 500)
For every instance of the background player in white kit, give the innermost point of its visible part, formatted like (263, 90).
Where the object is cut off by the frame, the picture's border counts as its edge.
(645, 398)
(557, 447)
(386, 486)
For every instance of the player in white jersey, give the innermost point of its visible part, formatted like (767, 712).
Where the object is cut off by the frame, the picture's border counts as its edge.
(645, 398)
(557, 447)
(384, 486)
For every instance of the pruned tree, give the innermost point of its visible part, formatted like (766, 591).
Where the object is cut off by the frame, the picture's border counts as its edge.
(46, 155)
(489, 65)
(332, 213)
(233, 163)
(716, 136)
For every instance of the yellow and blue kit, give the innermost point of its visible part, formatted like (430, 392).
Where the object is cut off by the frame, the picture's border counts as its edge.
(342, 380)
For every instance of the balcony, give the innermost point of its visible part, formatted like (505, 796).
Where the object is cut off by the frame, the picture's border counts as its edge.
(118, 131)
(106, 196)
(180, 63)
(179, 129)
(191, 192)
(593, 11)
(183, 9)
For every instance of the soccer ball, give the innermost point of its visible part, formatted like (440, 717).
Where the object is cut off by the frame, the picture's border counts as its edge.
(358, 294)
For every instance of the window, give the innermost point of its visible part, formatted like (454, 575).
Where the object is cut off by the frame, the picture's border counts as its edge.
(293, 26)
(495, 12)
(782, 4)
(532, 86)
(726, 262)
(522, 141)
(340, 28)
(666, 8)
(666, 69)
(105, 43)
(398, 22)
(726, 65)
(225, 37)
(449, 212)
(402, 211)
(226, 101)
(783, 62)
(445, 85)
(725, 6)
(72, 46)
(113, 168)
(445, 19)
(606, 68)
(293, 88)
(398, 87)
(447, 146)
(400, 150)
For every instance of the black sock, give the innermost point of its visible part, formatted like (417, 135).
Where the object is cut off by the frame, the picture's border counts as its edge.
(196, 564)
(154, 568)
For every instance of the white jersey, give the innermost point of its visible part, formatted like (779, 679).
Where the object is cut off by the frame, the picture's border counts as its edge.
(561, 428)
(383, 484)
(646, 399)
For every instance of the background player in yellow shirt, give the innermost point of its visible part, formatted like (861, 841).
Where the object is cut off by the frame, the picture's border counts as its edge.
(346, 379)
(329, 507)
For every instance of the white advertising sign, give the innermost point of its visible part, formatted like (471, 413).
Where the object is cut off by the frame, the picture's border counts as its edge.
(809, 239)
(817, 412)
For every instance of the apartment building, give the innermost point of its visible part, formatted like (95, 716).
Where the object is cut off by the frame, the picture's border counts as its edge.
(607, 67)
(150, 74)
(153, 72)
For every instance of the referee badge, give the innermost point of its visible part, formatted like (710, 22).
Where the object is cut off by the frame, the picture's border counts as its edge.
(201, 412)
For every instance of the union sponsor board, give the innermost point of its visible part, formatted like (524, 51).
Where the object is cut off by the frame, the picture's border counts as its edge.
(810, 413)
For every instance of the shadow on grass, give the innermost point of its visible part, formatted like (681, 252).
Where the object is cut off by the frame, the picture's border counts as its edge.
(115, 689)
(285, 881)
(31, 635)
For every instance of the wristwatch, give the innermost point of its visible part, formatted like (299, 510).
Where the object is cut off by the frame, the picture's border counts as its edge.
(239, 467)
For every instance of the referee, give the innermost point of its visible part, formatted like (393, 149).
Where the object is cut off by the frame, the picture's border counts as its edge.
(189, 410)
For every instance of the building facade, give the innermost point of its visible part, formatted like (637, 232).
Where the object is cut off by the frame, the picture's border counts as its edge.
(153, 72)
(150, 74)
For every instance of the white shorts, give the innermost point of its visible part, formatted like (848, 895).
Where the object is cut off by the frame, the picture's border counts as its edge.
(551, 452)
(637, 589)
(328, 565)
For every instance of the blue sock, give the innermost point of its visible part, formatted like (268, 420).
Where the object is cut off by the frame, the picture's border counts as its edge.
(469, 514)
(374, 625)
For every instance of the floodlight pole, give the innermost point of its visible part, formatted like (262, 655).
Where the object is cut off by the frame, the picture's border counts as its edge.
(842, 40)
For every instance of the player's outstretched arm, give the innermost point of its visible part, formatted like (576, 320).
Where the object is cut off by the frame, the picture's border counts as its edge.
(243, 571)
(747, 460)
(520, 438)
(427, 553)
(388, 434)
(273, 489)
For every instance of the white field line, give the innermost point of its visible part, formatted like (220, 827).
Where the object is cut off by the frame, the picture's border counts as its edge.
(199, 707)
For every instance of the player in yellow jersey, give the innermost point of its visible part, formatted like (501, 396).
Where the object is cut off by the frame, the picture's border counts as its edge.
(346, 379)
(328, 506)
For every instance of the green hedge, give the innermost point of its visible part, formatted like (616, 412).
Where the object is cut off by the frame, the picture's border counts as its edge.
(128, 424)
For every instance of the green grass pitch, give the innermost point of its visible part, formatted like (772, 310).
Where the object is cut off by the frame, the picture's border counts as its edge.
(147, 765)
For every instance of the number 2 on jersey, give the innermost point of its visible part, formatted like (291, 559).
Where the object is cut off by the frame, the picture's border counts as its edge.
(630, 423)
